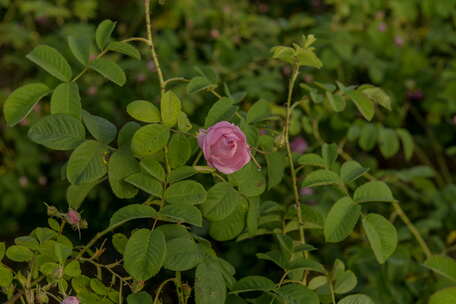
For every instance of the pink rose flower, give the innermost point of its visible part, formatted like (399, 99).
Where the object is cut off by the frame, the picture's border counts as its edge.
(399, 41)
(73, 217)
(70, 300)
(225, 147)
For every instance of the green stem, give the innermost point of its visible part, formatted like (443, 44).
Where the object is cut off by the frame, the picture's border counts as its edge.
(156, 299)
(290, 155)
(178, 282)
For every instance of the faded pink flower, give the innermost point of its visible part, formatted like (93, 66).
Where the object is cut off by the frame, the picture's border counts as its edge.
(42, 180)
(70, 300)
(73, 217)
(225, 147)
(215, 33)
(299, 145)
(23, 181)
(382, 27)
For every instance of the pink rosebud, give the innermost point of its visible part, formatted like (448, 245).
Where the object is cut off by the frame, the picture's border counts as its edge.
(381, 27)
(23, 181)
(92, 91)
(225, 147)
(73, 217)
(70, 300)
(42, 180)
(415, 95)
(306, 191)
(299, 145)
(141, 77)
(399, 41)
(215, 33)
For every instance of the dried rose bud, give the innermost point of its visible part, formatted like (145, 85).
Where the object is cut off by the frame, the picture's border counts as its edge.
(73, 217)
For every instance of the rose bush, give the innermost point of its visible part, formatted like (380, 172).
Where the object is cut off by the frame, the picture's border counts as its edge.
(190, 212)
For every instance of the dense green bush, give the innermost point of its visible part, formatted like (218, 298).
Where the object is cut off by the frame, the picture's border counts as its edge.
(271, 232)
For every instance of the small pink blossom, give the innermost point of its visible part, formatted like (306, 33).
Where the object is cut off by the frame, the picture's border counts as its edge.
(70, 300)
(225, 147)
(215, 33)
(306, 191)
(73, 217)
(42, 180)
(151, 66)
(141, 77)
(299, 145)
(399, 41)
(382, 27)
(415, 95)
(23, 181)
(92, 57)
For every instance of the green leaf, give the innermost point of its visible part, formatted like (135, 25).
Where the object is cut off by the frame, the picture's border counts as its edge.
(250, 180)
(132, 212)
(253, 283)
(336, 101)
(179, 150)
(20, 103)
(76, 194)
(368, 138)
(62, 251)
(295, 293)
(186, 192)
(351, 170)
(126, 133)
(444, 296)
(119, 241)
(182, 254)
(183, 213)
(6, 276)
(363, 103)
(307, 57)
(149, 139)
(100, 128)
(104, 32)
(329, 153)
(358, 299)
(381, 234)
(183, 123)
(345, 282)
(443, 265)
(73, 269)
(223, 109)
(277, 163)
(19, 253)
(210, 285)
(170, 107)
(181, 173)
(146, 183)
(341, 220)
(306, 264)
(388, 142)
(153, 167)
(124, 48)
(98, 286)
(65, 99)
(231, 226)
(58, 132)
(80, 47)
(221, 201)
(145, 253)
(144, 111)
(374, 191)
(110, 70)
(408, 144)
(50, 269)
(253, 215)
(122, 164)
(259, 111)
(311, 159)
(320, 177)
(198, 84)
(139, 298)
(86, 163)
(50, 60)
(174, 231)
(2, 250)
(378, 96)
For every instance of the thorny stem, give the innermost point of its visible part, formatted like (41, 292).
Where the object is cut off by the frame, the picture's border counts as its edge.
(152, 48)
